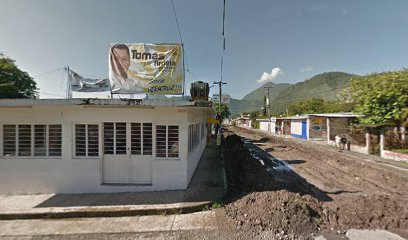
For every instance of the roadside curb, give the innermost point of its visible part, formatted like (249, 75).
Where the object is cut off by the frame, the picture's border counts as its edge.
(95, 212)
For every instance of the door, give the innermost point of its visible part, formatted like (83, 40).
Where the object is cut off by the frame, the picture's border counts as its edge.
(304, 130)
(127, 151)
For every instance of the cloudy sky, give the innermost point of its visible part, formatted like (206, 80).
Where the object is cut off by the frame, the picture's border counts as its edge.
(270, 40)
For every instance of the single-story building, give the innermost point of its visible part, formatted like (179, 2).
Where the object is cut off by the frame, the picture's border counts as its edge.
(99, 145)
(295, 126)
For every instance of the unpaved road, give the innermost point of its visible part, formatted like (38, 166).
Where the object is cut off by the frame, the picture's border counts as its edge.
(326, 191)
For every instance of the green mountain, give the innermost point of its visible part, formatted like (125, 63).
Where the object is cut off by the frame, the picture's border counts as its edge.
(326, 86)
(259, 93)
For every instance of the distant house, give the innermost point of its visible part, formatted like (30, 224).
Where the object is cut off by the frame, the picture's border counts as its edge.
(95, 146)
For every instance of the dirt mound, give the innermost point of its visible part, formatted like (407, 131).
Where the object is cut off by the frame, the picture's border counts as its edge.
(281, 212)
(290, 207)
(374, 211)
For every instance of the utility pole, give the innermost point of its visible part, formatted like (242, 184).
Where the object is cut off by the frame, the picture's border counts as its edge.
(220, 83)
(269, 109)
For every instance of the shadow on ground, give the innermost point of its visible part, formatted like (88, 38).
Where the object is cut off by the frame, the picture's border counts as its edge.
(205, 185)
(251, 169)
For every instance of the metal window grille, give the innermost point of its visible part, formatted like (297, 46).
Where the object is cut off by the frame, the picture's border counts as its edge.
(54, 140)
(161, 141)
(93, 140)
(108, 138)
(167, 141)
(32, 140)
(86, 140)
(24, 140)
(40, 140)
(136, 139)
(147, 139)
(173, 141)
(120, 138)
(9, 140)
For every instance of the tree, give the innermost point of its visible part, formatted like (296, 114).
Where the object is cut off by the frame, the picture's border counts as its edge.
(15, 83)
(381, 97)
(312, 105)
(225, 112)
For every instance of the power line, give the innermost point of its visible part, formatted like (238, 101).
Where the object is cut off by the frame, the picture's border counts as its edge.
(181, 39)
(175, 16)
(42, 74)
(50, 94)
(223, 39)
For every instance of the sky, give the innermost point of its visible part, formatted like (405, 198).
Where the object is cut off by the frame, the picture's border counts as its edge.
(284, 41)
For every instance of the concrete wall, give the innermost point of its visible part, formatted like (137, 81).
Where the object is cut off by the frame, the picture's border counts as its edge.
(296, 128)
(263, 126)
(69, 174)
(318, 128)
(394, 155)
(193, 158)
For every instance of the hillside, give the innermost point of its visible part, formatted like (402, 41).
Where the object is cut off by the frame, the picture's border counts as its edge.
(260, 92)
(325, 86)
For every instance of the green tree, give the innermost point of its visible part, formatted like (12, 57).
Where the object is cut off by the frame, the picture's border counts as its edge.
(381, 97)
(225, 112)
(15, 83)
(312, 105)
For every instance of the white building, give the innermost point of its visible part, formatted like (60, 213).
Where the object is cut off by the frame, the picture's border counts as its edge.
(95, 146)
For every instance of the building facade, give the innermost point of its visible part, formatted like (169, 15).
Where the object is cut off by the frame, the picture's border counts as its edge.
(96, 146)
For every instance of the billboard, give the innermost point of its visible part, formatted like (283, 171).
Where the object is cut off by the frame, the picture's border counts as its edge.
(81, 84)
(225, 99)
(146, 68)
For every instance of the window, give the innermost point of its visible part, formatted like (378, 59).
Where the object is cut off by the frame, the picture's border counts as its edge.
(167, 141)
(203, 128)
(32, 140)
(136, 139)
(86, 140)
(193, 136)
(147, 139)
(54, 142)
(114, 136)
(9, 140)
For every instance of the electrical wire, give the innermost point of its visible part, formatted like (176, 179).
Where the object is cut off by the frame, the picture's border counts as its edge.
(49, 72)
(188, 69)
(223, 43)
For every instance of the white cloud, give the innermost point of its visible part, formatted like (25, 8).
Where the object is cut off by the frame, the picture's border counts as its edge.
(276, 72)
(306, 69)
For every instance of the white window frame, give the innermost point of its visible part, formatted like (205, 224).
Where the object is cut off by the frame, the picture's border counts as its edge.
(167, 142)
(86, 141)
(32, 136)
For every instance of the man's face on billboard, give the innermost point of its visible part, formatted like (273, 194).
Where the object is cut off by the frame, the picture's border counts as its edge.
(121, 62)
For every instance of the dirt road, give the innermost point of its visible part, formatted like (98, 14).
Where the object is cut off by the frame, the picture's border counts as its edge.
(324, 190)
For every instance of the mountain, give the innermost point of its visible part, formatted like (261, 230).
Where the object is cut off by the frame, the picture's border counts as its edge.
(259, 93)
(326, 86)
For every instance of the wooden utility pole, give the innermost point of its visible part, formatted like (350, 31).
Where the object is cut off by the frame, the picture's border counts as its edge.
(269, 109)
(220, 83)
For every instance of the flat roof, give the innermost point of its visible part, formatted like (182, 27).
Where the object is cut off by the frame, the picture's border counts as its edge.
(341, 114)
(99, 102)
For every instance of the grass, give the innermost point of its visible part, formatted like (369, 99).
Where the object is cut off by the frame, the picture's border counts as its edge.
(405, 151)
(214, 205)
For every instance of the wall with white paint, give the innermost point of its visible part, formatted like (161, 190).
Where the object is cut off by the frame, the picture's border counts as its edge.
(70, 174)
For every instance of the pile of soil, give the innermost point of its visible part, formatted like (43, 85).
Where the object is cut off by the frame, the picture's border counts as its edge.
(368, 211)
(257, 201)
(290, 207)
(283, 213)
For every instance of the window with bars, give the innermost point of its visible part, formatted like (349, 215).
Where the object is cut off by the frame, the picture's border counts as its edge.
(86, 140)
(115, 141)
(28, 140)
(167, 141)
(203, 128)
(193, 136)
(114, 137)
(147, 139)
